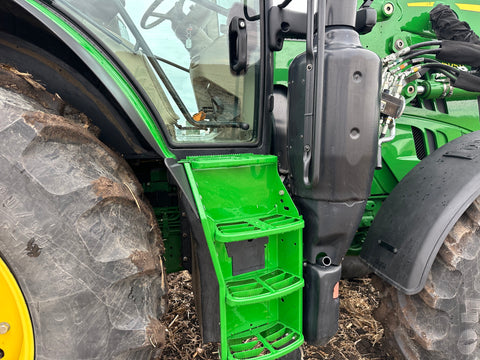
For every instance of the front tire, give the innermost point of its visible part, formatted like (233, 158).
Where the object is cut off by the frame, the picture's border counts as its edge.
(85, 249)
(442, 321)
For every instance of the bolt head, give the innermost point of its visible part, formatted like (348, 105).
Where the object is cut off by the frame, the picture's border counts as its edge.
(4, 328)
(388, 8)
(399, 44)
(242, 24)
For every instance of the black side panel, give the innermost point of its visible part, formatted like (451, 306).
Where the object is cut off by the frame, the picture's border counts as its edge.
(280, 122)
(322, 305)
(415, 219)
(348, 124)
(179, 176)
(332, 134)
(205, 282)
(331, 227)
(347, 131)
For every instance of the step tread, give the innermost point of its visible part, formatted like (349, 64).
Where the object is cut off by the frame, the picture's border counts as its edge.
(261, 286)
(264, 342)
(254, 227)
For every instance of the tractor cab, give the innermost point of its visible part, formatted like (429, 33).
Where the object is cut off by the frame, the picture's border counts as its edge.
(177, 56)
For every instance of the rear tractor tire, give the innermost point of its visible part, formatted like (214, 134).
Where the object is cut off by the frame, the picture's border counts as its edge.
(84, 249)
(442, 321)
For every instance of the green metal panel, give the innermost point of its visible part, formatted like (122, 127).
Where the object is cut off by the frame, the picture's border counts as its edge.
(241, 201)
(409, 21)
(114, 73)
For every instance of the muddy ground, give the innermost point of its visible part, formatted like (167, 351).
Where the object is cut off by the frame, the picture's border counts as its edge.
(360, 336)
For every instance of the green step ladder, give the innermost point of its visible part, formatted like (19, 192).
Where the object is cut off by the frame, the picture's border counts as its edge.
(254, 236)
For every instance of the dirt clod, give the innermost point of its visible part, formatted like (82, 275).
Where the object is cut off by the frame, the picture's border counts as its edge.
(155, 333)
(143, 260)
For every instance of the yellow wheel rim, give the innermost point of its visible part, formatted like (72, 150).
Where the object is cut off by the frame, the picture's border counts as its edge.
(16, 331)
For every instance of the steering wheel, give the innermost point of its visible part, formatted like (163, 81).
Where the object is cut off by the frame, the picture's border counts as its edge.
(150, 12)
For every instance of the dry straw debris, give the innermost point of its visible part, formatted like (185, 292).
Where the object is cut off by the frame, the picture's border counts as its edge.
(359, 336)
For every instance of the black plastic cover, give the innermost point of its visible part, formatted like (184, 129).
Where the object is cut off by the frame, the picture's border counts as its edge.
(341, 13)
(366, 20)
(414, 220)
(247, 255)
(204, 278)
(348, 125)
(344, 147)
(284, 23)
(447, 26)
(330, 227)
(321, 304)
(280, 120)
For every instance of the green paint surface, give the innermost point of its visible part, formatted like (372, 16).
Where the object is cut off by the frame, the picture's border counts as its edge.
(243, 205)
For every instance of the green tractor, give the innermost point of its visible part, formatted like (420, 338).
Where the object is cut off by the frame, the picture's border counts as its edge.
(424, 241)
(261, 148)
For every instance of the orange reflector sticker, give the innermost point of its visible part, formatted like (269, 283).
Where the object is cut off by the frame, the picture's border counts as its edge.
(200, 116)
(335, 290)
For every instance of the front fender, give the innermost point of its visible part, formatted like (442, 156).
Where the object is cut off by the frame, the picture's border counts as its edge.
(415, 219)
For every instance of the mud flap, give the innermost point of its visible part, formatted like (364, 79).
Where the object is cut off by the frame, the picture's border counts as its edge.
(413, 222)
